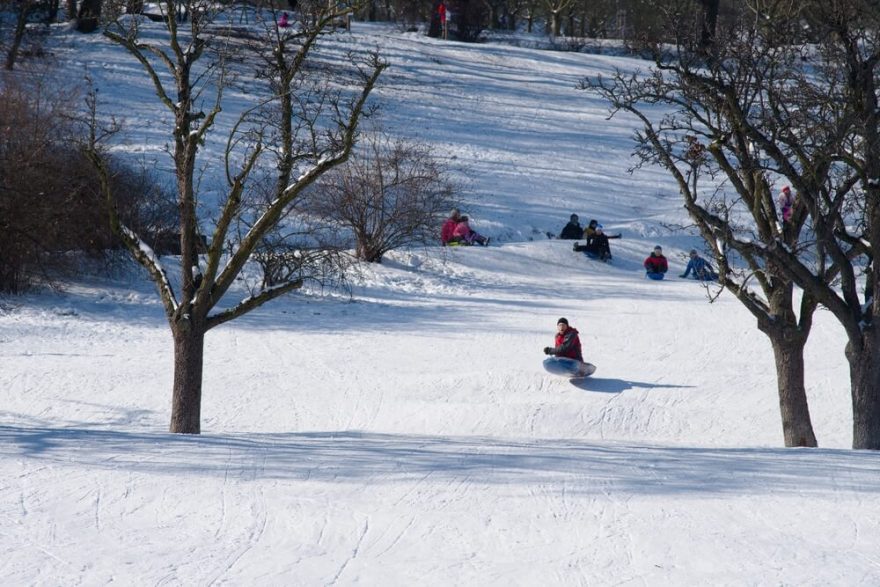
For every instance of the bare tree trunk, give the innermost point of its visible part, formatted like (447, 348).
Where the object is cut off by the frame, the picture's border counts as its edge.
(186, 399)
(89, 16)
(797, 427)
(864, 372)
(709, 24)
(23, 10)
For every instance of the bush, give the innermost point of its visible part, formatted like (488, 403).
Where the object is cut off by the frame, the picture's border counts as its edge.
(49, 199)
(391, 194)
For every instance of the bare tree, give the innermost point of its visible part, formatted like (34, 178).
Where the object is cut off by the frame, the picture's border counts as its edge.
(697, 139)
(764, 110)
(89, 15)
(190, 309)
(24, 8)
(556, 10)
(390, 195)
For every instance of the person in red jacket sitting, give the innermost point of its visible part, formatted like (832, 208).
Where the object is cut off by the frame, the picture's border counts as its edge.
(568, 343)
(656, 265)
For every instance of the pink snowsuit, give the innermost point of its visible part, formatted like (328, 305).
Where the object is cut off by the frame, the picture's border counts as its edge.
(465, 234)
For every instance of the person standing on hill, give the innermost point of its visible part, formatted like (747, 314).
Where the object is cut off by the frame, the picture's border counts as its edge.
(568, 343)
(786, 204)
(786, 209)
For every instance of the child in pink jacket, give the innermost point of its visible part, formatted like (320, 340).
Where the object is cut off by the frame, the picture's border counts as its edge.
(464, 233)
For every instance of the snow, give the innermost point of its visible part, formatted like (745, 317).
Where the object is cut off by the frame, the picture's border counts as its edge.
(407, 434)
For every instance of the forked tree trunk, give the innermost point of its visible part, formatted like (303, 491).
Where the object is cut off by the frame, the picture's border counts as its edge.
(864, 374)
(797, 427)
(186, 400)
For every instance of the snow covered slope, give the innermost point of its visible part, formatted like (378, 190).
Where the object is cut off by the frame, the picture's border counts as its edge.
(408, 435)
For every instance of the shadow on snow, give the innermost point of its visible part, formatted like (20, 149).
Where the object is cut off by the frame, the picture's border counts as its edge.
(353, 457)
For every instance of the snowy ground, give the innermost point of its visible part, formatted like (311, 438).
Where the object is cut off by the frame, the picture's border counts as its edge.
(409, 435)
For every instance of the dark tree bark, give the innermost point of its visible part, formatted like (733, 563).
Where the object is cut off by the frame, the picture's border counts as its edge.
(24, 9)
(709, 24)
(788, 352)
(186, 398)
(89, 16)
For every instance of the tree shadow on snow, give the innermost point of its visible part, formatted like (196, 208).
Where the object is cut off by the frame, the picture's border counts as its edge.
(601, 385)
(588, 467)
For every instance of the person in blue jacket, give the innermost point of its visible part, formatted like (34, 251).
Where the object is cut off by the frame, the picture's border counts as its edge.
(701, 268)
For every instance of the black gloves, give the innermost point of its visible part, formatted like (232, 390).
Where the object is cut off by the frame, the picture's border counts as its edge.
(548, 350)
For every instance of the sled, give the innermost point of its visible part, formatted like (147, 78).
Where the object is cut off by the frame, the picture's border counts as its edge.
(655, 276)
(571, 368)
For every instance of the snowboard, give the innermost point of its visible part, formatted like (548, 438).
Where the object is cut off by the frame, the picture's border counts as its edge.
(571, 368)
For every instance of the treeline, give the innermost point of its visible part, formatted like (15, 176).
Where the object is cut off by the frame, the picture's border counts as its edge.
(630, 20)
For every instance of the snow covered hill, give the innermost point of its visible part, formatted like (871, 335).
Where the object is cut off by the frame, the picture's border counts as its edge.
(408, 435)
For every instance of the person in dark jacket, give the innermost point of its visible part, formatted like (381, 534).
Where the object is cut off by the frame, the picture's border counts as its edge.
(568, 344)
(656, 265)
(573, 230)
(598, 246)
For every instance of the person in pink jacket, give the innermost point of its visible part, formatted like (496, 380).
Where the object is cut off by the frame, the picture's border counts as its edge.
(448, 228)
(465, 235)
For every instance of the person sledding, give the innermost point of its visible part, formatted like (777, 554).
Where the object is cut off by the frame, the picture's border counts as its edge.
(701, 268)
(573, 230)
(656, 265)
(566, 358)
(597, 246)
(448, 228)
(568, 343)
(466, 236)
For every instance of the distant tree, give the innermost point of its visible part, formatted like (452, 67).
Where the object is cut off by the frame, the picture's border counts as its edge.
(23, 10)
(391, 194)
(89, 15)
(766, 113)
(708, 23)
(469, 18)
(311, 132)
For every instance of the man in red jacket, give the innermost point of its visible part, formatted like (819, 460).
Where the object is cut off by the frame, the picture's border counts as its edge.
(656, 265)
(568, 344)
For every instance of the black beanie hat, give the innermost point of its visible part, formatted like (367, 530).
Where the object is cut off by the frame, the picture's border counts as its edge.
(562, 321)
